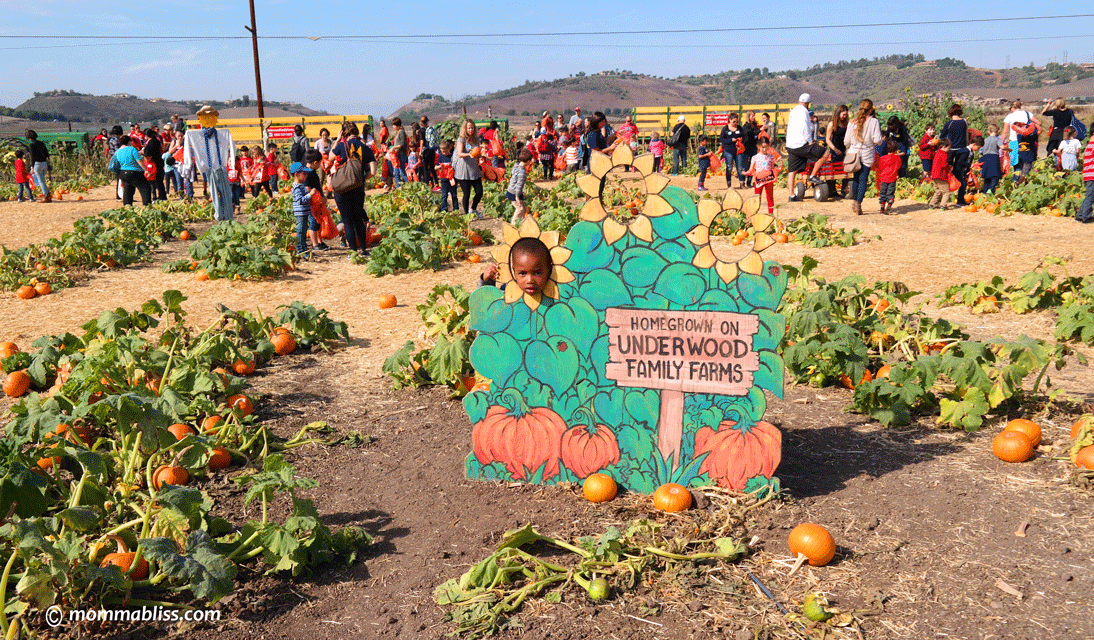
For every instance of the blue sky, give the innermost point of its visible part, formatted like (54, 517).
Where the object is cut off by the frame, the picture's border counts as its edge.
(395, 66)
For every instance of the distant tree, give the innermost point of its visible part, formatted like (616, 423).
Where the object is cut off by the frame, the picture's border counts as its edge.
(581, 74)
(247, 101)
(510, 112)
(525, 113)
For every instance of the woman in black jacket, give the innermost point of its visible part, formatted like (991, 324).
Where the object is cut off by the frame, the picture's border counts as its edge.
(1061, 119)
(153, 150)
(39, 163)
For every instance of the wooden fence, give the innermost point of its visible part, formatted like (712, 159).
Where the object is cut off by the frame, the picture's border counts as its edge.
(704, 119)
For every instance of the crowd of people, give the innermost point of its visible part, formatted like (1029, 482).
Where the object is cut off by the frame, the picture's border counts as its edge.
(948, 153)
(149, 161)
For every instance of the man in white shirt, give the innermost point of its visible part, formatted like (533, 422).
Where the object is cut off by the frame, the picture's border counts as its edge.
(800, 148)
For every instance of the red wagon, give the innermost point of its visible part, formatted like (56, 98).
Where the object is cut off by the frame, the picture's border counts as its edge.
(829, 173)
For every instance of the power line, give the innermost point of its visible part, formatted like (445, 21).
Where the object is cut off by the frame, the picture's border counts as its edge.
(644, 32)
(419, 40)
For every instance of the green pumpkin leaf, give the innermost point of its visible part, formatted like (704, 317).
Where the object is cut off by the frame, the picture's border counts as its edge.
(496, 357)
(488, 311)
(770, 375)
(717, 300)
(609, 406)
(603, 288)
(554, 363)
(641, 266)
(681, 284)
(772, 328)
(586, 241)
(643, 406)
(684, 218)
(576, 320)
(476, 406)
(766, 289)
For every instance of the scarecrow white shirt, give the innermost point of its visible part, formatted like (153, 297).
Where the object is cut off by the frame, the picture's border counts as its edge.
(194, 150)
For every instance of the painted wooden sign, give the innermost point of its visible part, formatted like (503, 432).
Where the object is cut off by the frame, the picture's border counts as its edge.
(645, 356)
(700, 351)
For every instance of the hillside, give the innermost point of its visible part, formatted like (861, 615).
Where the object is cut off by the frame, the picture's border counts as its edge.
(127, 108)
(829, 84)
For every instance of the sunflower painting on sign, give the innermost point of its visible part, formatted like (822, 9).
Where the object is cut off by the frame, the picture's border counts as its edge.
(645, 356)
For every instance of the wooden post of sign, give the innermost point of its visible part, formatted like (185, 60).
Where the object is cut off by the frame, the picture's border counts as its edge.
(670, 426)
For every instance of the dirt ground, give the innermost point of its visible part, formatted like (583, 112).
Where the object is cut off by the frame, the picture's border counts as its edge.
(935, 534)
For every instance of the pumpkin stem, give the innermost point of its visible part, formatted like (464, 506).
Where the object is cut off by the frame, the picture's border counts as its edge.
(798, 565)
(584, 415)
(122, 547)
(512, 400)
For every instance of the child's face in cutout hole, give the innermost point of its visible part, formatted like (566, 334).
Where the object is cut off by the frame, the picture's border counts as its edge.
(531, 272)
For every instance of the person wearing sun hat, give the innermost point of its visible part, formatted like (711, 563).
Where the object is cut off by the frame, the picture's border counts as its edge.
(211, 151)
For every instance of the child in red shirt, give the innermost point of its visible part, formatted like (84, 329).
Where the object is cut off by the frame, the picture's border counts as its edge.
(926, 151)
(940, 175)
(260, 173)
(888, 169)
(22, 176)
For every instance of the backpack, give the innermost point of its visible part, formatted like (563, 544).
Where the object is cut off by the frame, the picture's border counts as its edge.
(1078, 126)
(296, 153)
(675, 137)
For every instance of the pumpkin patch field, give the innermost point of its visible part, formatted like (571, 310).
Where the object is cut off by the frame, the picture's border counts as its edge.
(283, 442)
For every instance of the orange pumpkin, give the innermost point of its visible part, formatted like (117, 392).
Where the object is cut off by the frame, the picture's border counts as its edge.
(283, 343)
(219, 459)
(814, 542)
(1012, 446)
(523, 439)
(180, 430)
(780, 238)
(734, 455)
(243, 367)
(241, 403)
(476, 239)
(1028, 427)
(124, 560)
(1084, 421)
(209, 425)
(8, 349)
(474, 258)
(1085, 457)
(26, 292)
(170, 474)
(587, 449)
(671, 497)
(43, 289)
(71, 433)
(16, 383)
(599, 487)
(388, 301)
(185, 235)
(202, 276)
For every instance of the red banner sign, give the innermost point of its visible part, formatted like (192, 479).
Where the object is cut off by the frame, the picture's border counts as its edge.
(280, 133)
(691, 351)
(717, 119)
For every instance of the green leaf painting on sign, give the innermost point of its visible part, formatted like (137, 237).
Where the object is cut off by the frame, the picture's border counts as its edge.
(496, 356)
(552, 362)
(488, 310)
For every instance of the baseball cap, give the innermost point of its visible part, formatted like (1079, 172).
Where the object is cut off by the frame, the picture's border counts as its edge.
(297, 167)
(681, 119)
(804, 98)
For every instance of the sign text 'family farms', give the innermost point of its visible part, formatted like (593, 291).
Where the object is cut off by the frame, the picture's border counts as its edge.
(691, 351)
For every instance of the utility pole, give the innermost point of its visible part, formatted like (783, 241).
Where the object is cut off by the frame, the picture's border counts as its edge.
(258, 74)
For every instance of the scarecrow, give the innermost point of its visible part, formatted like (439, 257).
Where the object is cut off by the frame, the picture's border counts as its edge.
(211, 151)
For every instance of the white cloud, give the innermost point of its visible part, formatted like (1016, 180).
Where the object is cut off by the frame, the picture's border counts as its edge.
(175, 58)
